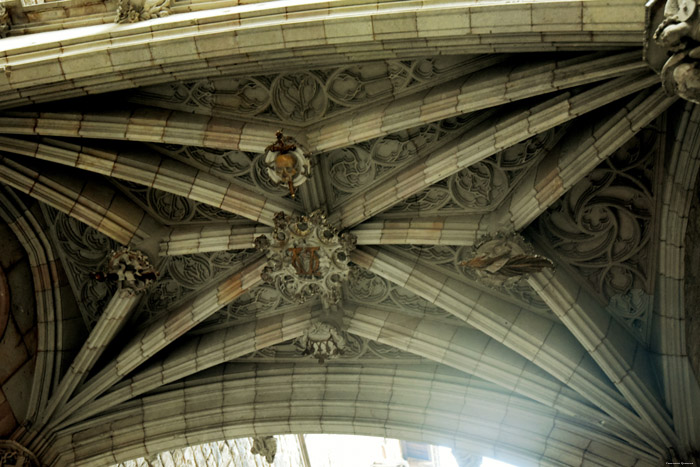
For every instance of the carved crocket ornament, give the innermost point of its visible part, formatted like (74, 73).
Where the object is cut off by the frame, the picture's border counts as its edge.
(673, 49)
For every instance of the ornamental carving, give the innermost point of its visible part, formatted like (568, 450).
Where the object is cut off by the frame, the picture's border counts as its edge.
(286, 163)
(306, 257)
(356, 349)
(239, 167)
(354, 168)
(482, 186)
(677, 33)
(504, 260)
(301, 97)
(82, 250)
(602, 228)
(265, 446)
(172, 209)
(132, 11)
(5, 22)
(15, 455)
(184, 275)
(450, 259)
(130, 269)
(322, 341)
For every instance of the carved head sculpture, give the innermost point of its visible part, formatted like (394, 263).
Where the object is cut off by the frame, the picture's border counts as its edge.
(286, 166)
(681, 76)
(286, 163)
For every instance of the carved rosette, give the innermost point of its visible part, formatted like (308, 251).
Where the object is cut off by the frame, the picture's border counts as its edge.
(16, 455)
(132, 269)
(323, 341)
(306, 257)
(503, 260)
(265, 446)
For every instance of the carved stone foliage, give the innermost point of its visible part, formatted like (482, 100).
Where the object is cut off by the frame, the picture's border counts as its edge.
(83, 250)
(15, 455)
(248, 168)
(130, 269)
(602, 228)
(451, 258)
(302, 97)
(322, 341)
(306, 257)
(181, 276)
(352, 169)
(356, 349)
(481, 187)
(132, 11)
(171, 209)
(259, 301)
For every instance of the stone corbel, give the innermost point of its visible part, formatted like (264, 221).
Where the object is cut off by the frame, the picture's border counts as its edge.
(672, 45)
(132, 11)
(265, 446)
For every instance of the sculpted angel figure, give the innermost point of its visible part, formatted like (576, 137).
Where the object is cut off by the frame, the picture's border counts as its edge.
(509, 266)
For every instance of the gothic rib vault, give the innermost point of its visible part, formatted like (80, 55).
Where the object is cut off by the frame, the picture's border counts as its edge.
(431, 127)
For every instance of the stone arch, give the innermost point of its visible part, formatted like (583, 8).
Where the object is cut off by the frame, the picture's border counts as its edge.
(425, 403)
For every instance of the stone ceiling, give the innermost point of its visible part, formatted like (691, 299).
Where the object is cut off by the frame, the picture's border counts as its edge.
(431, 128)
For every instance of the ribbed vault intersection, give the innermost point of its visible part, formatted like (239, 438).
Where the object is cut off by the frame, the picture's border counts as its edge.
(441, 127)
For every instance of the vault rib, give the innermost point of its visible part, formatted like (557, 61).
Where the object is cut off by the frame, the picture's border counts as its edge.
(144, 124)
(112, 319)
(485, 140)
(540, 341)
(624, 360)
(492, 87)
(152, 170)
(681, 391)
(575, 157)
(251, 35)
(162, 333)
(95, 205)
(199, 353)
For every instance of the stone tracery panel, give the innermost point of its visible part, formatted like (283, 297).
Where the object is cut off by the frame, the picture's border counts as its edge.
(83, 250)
(367, 288)
(480, 187)
(302, 97)
(351, 170)
(603, 229)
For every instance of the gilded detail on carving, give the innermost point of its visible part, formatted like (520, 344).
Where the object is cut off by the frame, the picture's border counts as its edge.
(306, 257)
